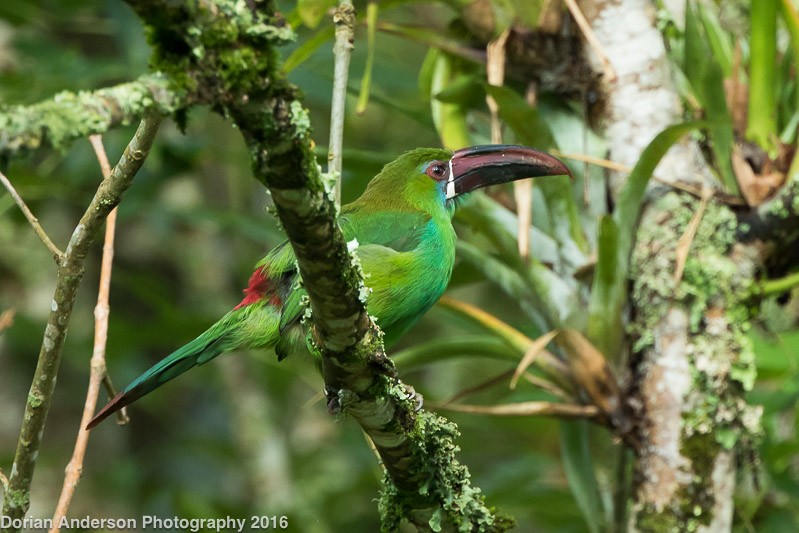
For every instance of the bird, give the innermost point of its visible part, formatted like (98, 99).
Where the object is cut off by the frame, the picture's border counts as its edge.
(405, 244)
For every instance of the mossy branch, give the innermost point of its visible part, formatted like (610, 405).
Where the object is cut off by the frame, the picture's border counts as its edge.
(67, 117)
(232, 66)
(70, 272)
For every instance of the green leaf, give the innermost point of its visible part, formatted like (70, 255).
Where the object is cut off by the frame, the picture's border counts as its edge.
(630, 200)
(694, 52)
(532, 130)
(449, 119)
(718, 39)
(628, 209)
(522, 118)
(366, 81)
(464, 90)
(720, 124)
(579, 468)
(791, 18)
(307, 49)
(434, 39)
(438, 350)
(762, 127)
(605, 329)
(312, 11)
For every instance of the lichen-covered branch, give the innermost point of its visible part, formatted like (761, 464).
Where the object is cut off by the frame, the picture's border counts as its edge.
(226, 56)
(68, 116)
(70, 272)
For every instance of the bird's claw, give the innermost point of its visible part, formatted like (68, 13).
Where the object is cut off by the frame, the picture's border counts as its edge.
(417, 398)
(333, 401)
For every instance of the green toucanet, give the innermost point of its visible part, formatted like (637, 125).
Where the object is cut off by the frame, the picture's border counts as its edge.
(406, 245)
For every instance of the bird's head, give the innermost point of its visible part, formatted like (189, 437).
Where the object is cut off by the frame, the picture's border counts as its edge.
(430, 179)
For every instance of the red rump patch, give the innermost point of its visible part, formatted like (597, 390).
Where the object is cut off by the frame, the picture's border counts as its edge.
(258, 288)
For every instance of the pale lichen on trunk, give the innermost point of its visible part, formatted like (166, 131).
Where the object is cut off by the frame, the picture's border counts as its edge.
(695, 365)
(692, 361)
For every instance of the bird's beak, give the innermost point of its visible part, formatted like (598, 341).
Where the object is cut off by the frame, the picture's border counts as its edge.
(492, 164)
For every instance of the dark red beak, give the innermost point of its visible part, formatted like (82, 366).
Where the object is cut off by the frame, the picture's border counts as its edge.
(492, 164)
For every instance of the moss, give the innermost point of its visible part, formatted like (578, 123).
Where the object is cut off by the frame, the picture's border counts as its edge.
(716, 290)
(35, 399)
(445, 484)
(17, 499)
(222, 52)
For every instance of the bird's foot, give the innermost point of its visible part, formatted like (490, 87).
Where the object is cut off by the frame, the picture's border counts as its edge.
(414, 396)
(333, 401)
(339, 399)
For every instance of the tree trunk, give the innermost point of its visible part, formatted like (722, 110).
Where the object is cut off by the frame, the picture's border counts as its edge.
(690, 360)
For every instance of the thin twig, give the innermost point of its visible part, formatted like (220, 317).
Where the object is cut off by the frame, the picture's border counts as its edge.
(34, 222)
(591, 160)
(344, 19)
(593, 42)
(692, 189)
(684, 244)
(70, 272)
(110, 391)
(97, 364)
(7, 319)
(562, 410)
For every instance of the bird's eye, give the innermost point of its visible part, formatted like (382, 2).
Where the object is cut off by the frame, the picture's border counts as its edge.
(437, 170)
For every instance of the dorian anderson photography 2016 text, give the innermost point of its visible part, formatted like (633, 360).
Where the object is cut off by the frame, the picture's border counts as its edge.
(149, 522)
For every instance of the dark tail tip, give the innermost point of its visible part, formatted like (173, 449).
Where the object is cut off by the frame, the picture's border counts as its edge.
(117, 402)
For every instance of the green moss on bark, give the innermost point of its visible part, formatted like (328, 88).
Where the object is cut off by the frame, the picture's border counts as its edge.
(716, 291)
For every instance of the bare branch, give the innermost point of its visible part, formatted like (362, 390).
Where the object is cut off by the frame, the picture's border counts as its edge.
(70, 272)
(561, 410)
(97, 364)
(34, 222)
(7, 319)
(593, 42)
(344, 19)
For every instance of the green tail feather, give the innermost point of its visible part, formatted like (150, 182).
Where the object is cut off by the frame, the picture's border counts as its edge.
(253, 326)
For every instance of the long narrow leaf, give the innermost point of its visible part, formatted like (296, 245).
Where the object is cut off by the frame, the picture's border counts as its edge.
(532, 130)
(366, 80)
(579, 467)
(718, 39)
(631, 197)
(694, 56)
(626, 216)
(307, 49)
(720, 125)
(438, 350)
(791, 18)
(547, 362)
(522, 118)
(434, 39)
(530, 355)
(450, 119)
(762, 127)
(605, 328)
(562, 410)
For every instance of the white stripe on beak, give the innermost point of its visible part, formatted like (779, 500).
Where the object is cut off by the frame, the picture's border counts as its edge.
(450, 183)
